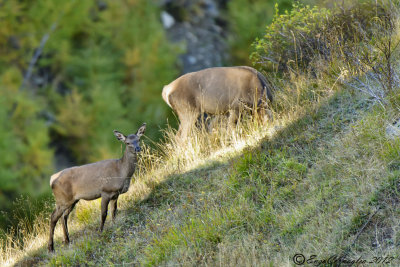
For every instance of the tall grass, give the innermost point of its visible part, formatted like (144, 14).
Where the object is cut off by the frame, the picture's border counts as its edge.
(314, 174)
(172, 157)
(156, 163)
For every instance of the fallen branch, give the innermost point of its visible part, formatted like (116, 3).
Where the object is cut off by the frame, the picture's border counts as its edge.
(363, 227)
(368, 90)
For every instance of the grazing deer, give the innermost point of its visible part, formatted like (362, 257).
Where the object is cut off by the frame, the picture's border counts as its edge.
(217, 91)
(106, 179)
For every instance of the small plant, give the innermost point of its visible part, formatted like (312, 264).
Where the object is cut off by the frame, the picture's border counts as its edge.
(376, 58)
(357, 40)
(298, 39)
(292, 40)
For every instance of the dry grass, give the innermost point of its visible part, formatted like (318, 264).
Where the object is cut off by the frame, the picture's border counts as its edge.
(188, 183)
(321, 179)
(155, 166)
(352, 171)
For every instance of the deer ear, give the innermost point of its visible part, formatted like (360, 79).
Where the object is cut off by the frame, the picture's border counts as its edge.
(119, 136)
(141, 130)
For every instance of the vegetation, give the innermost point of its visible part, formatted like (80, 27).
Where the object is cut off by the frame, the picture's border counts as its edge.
(322, 179)
(70, 73)
(311, 35)
(247, 20)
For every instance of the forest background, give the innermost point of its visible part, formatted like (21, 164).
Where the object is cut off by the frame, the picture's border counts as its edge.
(72, 71)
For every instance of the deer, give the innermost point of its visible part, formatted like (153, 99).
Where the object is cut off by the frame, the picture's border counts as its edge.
(218, 90)
(106, 179)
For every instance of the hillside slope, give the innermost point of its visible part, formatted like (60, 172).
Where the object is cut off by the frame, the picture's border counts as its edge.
(319, 185)
(326, 184)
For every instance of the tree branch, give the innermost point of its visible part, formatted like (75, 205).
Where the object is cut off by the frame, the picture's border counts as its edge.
(36, 56)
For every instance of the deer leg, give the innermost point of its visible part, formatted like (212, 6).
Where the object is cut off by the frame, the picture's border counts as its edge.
(55, 216)
(64, 222)
(180, 130)
(233, 117)
(187, 124)
(268, 117)
(203, 121)
(104, 208)
(211, 123)
(182, 122)
(113, 204)
(264, 115)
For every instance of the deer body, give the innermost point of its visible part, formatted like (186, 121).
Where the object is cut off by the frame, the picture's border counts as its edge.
(216, 91)
(106, 179)
(105, 176)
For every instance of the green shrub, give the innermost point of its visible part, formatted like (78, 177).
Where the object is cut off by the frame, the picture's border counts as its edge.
(300, 39)
(247, 19)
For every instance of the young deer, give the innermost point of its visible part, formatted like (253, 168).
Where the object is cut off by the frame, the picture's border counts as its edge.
(106, 179)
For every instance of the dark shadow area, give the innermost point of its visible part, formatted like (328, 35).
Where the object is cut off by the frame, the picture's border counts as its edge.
(331, 118)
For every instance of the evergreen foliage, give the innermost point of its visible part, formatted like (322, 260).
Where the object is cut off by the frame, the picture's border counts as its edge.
(321, 179)
(247, 20)
(70, 73)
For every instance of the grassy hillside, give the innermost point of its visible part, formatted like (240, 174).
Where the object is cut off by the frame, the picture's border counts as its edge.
(68, 71)
(322, 179)
(325, 183)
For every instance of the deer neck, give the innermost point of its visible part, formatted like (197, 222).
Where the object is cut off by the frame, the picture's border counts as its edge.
(128, 162)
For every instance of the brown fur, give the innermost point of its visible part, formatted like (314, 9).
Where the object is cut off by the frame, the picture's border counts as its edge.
(216, 91)
(106, 179)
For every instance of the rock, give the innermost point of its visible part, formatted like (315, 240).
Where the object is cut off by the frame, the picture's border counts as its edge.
(393, 130)
(210, 7)
(167, 20)
(201, 28)
(192, 60)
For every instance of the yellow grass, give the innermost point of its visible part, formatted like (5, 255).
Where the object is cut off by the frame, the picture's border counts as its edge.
(172, 156)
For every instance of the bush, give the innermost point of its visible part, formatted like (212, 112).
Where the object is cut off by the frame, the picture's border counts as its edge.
(247, 20)
(299, 40)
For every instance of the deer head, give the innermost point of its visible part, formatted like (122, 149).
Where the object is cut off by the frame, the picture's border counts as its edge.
(131, 141)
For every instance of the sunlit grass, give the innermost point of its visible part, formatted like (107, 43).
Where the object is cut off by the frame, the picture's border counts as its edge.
(154, 166)
(172, 156)
(202, 148)
(316, 195)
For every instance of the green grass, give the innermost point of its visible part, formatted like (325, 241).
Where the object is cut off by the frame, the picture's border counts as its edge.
(322, 179)
(312, 187)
